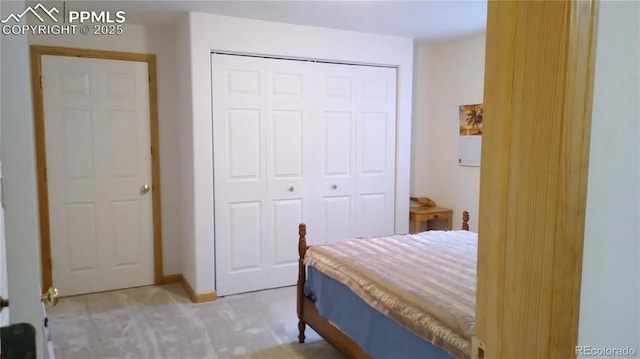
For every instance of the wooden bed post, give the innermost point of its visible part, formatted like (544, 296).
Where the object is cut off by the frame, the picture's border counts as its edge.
(302, 277)
(465, 220)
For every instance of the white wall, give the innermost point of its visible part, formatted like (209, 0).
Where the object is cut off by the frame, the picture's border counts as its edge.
(212, 32)
(19, 180)
(447, 75)
(186, 150)
(609, 313)
(161, 41)
(424, 89)
(4, 284)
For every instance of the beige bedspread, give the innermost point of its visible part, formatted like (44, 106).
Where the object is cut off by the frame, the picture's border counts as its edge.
(426, 281)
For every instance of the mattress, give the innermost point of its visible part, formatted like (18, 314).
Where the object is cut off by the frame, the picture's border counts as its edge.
(424, 282)
(370, 329)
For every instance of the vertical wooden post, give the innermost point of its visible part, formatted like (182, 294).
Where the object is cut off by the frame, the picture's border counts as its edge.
(302, 277)
(465, 220)
(535, 146)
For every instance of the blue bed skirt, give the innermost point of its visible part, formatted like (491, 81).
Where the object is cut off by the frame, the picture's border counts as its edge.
(375, 333)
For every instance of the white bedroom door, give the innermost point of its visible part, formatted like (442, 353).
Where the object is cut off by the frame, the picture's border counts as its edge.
(96, 115)
(261, 175)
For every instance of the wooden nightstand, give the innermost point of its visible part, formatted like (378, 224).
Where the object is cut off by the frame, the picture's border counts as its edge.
(424, 214)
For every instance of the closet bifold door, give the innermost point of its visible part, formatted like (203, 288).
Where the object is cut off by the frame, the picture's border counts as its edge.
(354, 151)
(375, 150)
(288, 139)
(239, 173)
(334, 129)
(261, 183)
(297, 141)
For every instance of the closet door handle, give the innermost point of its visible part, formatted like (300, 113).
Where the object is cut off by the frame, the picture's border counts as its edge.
(291, 189)
(335, 186)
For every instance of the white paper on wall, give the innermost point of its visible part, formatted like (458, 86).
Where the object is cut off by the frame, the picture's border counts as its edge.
(469, 150)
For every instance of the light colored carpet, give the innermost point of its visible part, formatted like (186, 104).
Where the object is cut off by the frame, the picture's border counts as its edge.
(317, 349)
(161, 322)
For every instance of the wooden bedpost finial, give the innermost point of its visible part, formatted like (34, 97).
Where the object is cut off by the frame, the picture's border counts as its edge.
(465, 220)
(302, 241)
(302, 278)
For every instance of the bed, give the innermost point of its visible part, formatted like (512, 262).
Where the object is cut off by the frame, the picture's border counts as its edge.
(392, 297)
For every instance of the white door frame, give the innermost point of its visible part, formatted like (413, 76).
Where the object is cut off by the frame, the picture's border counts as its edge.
(41, 159)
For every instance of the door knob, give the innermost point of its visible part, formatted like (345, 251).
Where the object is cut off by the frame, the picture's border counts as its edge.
(50, 296)
(4, 303)
(335, 186)
(144, 189)
(291, 189)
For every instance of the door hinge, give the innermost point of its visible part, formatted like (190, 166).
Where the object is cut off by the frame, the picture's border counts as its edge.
(41, 82)
(50, 263)
(477, 348)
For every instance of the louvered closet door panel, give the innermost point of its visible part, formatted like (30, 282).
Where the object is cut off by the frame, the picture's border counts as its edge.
(334, 129)
(288, 148)
(375, 150)
(240, 177)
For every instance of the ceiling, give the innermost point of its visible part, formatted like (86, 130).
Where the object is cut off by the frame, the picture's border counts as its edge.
(422, 20)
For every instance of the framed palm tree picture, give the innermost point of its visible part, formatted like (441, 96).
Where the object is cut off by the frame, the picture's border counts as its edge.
(471, 120)
(470, 140)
